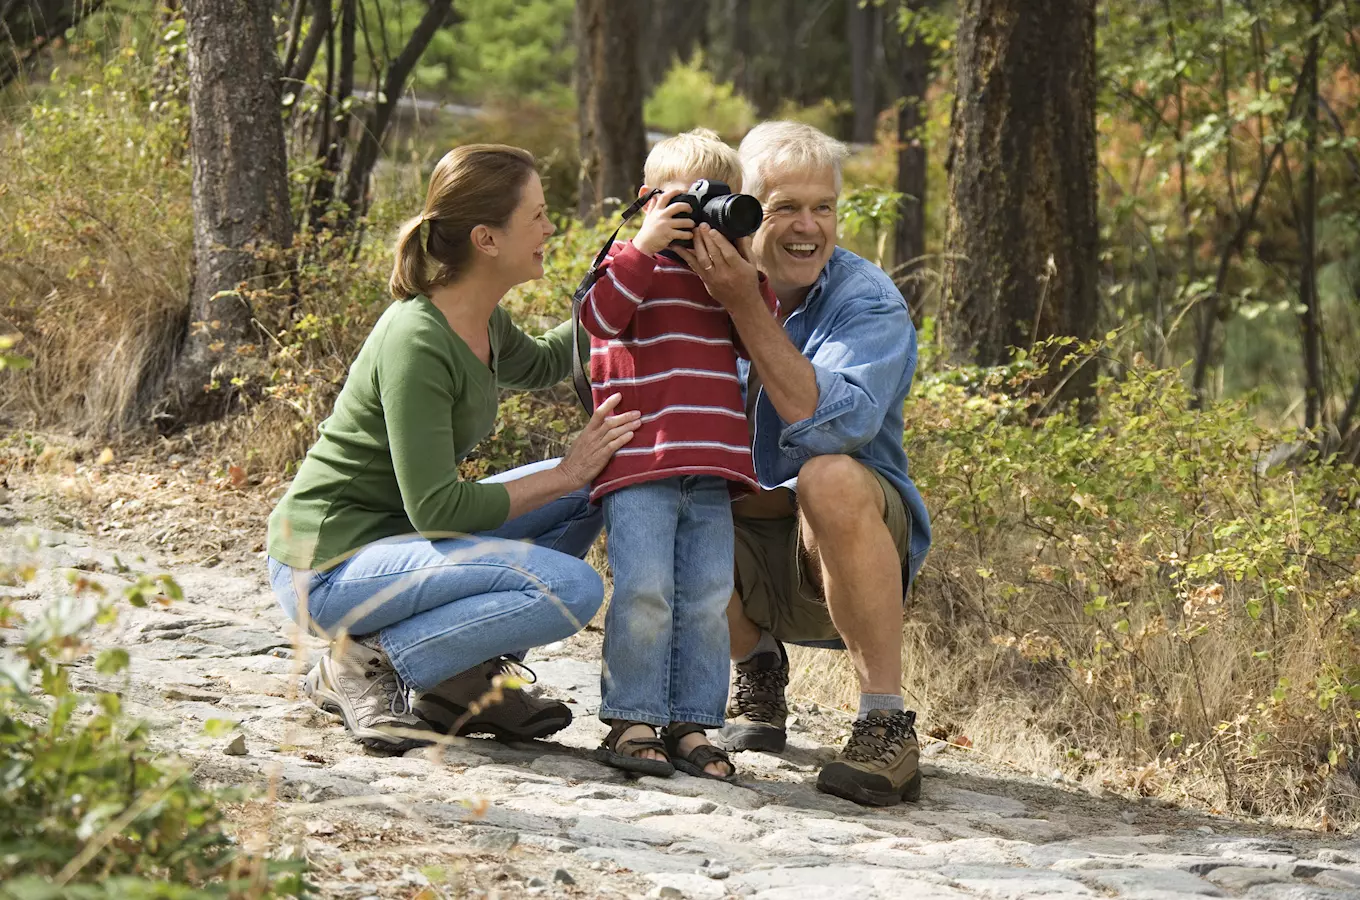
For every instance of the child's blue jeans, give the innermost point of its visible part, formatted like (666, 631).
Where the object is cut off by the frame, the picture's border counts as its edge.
(665, 634)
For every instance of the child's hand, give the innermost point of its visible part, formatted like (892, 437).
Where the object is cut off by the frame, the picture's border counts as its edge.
(665, 222)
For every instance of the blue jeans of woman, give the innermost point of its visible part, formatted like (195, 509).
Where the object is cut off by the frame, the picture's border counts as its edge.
(441, 607)
(665, 634)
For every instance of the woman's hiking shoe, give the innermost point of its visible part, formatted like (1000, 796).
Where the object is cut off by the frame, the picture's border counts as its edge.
(880, 764)
(758, 711)
(469, 703)
(357, 682)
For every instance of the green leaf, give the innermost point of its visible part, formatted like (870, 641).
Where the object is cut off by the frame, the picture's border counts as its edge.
(112, 661)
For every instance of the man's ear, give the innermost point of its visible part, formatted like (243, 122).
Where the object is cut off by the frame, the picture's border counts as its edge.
(484, 241)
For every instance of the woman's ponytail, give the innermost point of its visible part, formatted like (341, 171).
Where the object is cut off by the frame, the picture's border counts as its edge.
(411, 272)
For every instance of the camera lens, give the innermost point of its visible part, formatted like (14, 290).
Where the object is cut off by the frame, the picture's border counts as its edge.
(734, 215)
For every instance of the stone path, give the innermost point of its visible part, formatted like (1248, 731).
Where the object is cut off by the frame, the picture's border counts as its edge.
(482, 819)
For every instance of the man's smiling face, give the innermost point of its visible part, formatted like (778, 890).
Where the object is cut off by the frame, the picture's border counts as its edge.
(798, 235)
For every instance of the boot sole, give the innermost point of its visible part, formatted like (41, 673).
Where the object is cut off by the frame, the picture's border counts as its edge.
(765, 738)
(848, 789)
(330, 702)
(442, 723)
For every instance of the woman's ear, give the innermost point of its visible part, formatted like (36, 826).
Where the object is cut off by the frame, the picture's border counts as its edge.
(484, 240)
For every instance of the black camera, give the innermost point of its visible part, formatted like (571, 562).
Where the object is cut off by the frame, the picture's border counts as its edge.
(732, 215)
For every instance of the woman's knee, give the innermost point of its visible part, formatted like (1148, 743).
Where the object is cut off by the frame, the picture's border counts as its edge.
(579, 588)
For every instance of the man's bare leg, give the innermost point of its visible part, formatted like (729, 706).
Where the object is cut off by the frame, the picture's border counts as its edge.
(842, 507)
(743, 634)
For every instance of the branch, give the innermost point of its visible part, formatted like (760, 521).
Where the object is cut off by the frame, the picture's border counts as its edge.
(1231, 249)
(439, 13)
(294, 29)
(321, 26)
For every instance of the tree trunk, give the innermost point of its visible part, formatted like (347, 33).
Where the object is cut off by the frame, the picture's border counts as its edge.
(240, 187)
(739, 12)
(609, 103)
(859, 28)
(1022, 239)
(681, 29)
(1311, 320)
(909, 243)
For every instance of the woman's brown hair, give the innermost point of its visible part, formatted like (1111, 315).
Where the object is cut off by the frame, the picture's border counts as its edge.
(478, 184)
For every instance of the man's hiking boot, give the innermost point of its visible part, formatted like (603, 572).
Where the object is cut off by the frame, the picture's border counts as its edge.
(471, 704)
(357, 682)
(880, 763)
(756, 715)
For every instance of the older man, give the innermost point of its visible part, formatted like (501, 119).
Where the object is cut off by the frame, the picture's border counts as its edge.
(825, 553)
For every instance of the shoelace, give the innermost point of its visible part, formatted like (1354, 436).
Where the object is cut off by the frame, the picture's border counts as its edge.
(508, 665)
(752, 686)
(392, 686)
(878, 738)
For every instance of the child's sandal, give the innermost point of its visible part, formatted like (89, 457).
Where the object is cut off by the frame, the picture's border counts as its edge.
(700, 757)
(623, 755)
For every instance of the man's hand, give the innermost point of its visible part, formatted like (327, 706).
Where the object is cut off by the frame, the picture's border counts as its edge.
(730, 278)
(665, 222)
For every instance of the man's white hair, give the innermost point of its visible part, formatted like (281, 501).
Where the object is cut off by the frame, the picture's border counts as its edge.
(773, 147)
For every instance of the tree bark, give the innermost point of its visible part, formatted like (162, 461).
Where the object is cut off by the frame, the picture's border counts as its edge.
(609, 103)
(335, 118)
(859, 28)
(240, 188)
(1022, 239)
(739, 12)
(438, 14)
(909, 241)
(1311, 320)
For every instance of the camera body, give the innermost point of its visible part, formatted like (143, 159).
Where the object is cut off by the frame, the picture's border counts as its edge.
(734, 216)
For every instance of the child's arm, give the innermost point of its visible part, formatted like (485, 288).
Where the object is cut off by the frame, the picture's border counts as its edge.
(625, 278)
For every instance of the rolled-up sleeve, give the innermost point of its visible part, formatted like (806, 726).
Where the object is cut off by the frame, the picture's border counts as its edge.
(859, 369)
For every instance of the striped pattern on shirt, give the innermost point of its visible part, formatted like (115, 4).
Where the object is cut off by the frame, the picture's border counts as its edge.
(662, 342)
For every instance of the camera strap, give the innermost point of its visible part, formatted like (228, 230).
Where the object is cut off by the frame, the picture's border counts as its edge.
(579, 378)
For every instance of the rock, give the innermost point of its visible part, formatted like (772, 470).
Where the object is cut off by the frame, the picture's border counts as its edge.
(236, 746)
(1242, 878)
(1154, 883)
(494, 840)
(234, 640)
(720, 792)
(562, 876)
(536, 882)
(1337, 857)
(714, 870)
(187, 692)
(1001, 881)
(710, 827)
(602, 832)
(639, 860)
(1339, 878)
(696, 887)
(320, 826)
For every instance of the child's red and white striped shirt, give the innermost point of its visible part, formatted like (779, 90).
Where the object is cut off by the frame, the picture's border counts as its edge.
(670, 349)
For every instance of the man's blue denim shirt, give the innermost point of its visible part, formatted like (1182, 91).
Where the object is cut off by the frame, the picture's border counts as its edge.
(855, 329)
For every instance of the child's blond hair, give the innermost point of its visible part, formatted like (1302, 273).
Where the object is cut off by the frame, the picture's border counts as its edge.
(687, 157)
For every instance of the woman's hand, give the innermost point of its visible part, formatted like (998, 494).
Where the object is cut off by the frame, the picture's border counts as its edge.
(726, 272)
(593, 448)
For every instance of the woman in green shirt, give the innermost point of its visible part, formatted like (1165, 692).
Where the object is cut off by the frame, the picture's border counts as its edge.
(427, 585)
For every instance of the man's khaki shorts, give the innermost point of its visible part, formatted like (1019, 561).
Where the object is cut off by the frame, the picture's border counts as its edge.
(777, 592)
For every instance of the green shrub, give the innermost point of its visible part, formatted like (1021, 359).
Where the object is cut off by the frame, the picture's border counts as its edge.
(1152, 589)
(91, 810)
(689, 97)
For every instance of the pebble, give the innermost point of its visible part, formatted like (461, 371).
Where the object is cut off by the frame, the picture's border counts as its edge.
(236, 746)
(562, 876)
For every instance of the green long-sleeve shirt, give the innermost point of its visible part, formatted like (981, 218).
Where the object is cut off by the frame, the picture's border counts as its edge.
(417, 400)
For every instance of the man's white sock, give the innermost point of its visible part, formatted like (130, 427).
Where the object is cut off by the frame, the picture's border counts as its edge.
(890, 702)
(766, 644)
